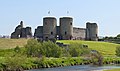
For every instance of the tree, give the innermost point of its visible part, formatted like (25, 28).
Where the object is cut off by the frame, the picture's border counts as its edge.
(97, 58)
(47, 48)
(33, 48)
(77, 49)
(118, 51)
(51, 49)
(118, 35)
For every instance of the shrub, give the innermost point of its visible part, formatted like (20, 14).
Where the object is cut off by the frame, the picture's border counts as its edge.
(118, 51)
(14, 63)
(47, 48)
(50, 49)
(17, 49)
(33, 48)
(76, 49)
(96, 58)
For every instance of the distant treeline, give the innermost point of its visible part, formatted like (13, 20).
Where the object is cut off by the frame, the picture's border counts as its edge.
(115, 39)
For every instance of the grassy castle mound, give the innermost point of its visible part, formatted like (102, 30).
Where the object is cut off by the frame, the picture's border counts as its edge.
(105, 48)
(23, 54)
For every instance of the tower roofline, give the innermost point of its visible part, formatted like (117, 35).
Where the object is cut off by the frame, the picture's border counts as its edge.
(70, 17)
(49, 17)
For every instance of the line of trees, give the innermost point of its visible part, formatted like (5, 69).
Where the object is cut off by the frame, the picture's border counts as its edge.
(110, 38)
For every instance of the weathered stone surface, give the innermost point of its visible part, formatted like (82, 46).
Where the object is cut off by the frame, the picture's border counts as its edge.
(39, 32)
(79, 33)
(21, 32)
(49, 27)
(91, 31)
(65, 30)
(14, 35)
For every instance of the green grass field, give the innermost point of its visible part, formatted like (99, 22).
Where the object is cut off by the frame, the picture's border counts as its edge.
(113, 70)
(11, 43)
(107, 49)
(11, 58)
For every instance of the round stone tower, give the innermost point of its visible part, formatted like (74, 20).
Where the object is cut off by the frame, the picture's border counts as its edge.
(66, 28)
(49, 27)
(91, 31)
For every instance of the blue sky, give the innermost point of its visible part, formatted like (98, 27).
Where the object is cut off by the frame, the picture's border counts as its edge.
(104, 12)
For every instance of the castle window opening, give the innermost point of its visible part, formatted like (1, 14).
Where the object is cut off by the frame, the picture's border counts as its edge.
(96, 35)
(65, 33)
(51, 33)
(18, 36)
(46, 37)
(71, 23)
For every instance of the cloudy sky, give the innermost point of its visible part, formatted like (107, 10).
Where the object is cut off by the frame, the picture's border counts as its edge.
(104, 12)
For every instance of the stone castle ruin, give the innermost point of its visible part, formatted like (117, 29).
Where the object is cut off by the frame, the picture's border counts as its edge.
(65, 30)
(91, 31)
(21, 32)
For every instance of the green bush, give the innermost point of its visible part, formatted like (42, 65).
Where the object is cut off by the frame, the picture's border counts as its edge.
(33, 48)
(77, 49)
(17, 49)
(6, 52)
(118, 51)
(14, 63)
(65, 52)
(50, 49)
(37, 49)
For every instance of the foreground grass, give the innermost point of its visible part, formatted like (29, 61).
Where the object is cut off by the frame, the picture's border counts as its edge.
(8, 63)
(13, 59)
(12, 43)
(113, 70)
(26, 63)
(105, 48)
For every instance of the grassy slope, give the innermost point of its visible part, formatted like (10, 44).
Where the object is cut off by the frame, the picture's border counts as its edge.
(107, 49)
(11, 43)
(104, 47)
(113, 70)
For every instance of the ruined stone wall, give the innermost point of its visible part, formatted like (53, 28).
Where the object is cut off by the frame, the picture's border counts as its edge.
(65, 31)
(79, 33)
(58, 32)
(21, 32)
(28, 32)
(14, 35)
(17, 32)
(39, 32)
